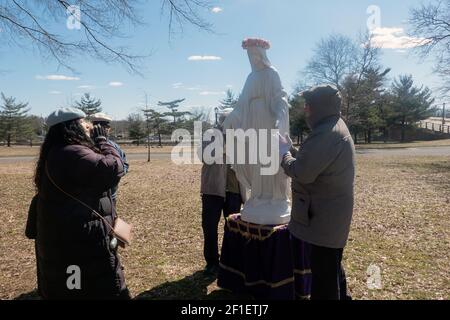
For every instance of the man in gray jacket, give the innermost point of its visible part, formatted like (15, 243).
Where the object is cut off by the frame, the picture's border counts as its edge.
(323, 173)
(221, 193)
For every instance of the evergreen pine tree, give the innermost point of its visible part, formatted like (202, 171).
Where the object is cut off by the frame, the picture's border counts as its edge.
(89, 105)
(229, 101)
(173, 106)
(297, 118)
(158, 123)
(13, 119)
(135, 127)
(410, 103)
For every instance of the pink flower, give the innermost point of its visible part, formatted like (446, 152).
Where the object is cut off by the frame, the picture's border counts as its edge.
(255, 42)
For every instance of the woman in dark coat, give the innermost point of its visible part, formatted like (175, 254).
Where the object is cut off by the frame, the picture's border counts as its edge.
(71, 241)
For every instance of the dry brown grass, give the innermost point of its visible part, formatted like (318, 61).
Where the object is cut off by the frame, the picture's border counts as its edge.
(414, 144)
(25, 151)
(21, 151)
(401, 224)
(143, 149)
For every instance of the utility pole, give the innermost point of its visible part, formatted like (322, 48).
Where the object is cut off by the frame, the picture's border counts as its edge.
(147, 115)
(216, 111)
(443, 116)
(42, 121)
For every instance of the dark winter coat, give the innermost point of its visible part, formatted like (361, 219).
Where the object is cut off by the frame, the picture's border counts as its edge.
(323, 173)
(69, 234)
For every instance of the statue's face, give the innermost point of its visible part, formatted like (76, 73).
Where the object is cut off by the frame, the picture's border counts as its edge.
(258, 58)
(254, 56)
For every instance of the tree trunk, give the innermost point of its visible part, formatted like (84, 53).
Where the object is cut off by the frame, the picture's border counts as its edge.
(9, 140)
(348, 110)
(355, 134)
(369, 136)
(403, 131)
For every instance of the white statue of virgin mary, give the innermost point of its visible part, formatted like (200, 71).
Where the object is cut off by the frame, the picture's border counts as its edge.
(262, 105)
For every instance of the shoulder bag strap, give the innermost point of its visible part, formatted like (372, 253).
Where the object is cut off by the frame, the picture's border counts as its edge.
(77, 200)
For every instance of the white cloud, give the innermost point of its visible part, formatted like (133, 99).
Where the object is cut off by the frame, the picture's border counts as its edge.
(55, 92)
(116, 84)
(212, 93)
(216, 10)
(229, 86)
(193, 88)
(394, 38)
(193, 106)
(204, 58)
(180, 85)
(57, 77)
(86, 87)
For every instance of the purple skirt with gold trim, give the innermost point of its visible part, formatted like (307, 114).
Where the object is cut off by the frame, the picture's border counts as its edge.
(264, 261)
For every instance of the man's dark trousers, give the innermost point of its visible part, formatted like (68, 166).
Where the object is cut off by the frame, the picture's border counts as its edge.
(328, 275)
(212, 208)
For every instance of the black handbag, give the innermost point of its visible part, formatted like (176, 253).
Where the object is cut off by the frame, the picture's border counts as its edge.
(31, 226)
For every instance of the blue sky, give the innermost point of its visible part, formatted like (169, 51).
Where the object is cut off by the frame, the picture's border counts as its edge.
(292, 26)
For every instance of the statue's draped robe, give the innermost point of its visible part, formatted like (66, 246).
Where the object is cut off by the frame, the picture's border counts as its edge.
(263, 105)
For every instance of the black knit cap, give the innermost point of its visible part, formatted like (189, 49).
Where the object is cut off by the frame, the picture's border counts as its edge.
(323, 95)
(324, 101)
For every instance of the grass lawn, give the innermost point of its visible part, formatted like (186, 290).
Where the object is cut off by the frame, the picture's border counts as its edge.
(23, 151)
(401, 224)
(415, 144)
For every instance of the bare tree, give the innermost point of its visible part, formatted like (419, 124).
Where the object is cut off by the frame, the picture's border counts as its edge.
(334, 58)
(345, 63)
(182, 12)
(431, 23)
(26, 22)
(368, 56)
(367, 59)
(200, 114)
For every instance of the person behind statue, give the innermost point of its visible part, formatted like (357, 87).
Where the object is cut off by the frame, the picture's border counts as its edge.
(76, 253)
(104, 121)
(323, 173)
(221, 193)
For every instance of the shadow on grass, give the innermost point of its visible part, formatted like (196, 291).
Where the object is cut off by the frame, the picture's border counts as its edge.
(187, 289)
(193, 287)
(32, 295)
(441, 166)
(430, 168)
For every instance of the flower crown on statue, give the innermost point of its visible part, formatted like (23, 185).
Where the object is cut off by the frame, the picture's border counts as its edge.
(254, 42)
